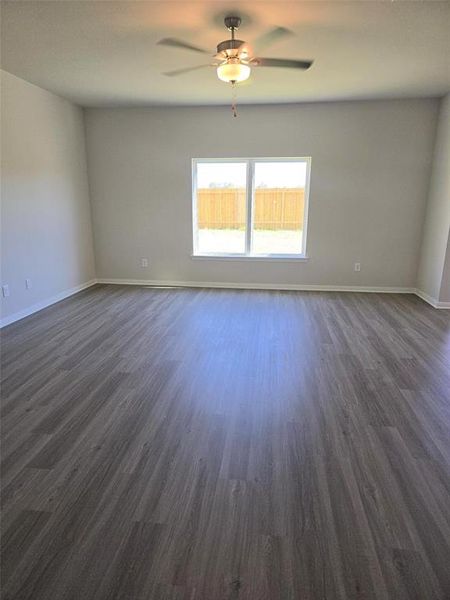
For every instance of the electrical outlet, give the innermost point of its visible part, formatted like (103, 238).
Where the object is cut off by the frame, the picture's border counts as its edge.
(5, 290)
(144, 263)
(28, 284)
(357, 266)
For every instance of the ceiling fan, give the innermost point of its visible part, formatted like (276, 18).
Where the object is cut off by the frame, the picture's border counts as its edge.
(234, 58)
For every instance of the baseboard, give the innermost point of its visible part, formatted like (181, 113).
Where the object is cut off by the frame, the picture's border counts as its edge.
(261, 286)
(224, 285)
(430, 300)
(44, 303)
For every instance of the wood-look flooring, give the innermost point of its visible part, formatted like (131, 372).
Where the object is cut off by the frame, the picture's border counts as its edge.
(227, 445)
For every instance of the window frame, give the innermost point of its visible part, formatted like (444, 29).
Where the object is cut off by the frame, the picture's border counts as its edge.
(250, 199)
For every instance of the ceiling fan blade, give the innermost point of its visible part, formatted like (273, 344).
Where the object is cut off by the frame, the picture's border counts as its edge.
(271, 36)
(185, 70)
(180, 44)
(281, 62)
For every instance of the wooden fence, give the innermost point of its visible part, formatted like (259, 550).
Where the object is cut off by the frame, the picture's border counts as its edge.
(275, 208)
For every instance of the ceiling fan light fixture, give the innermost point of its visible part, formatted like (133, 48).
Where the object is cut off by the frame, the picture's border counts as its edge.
(233, 71)
(236, 58)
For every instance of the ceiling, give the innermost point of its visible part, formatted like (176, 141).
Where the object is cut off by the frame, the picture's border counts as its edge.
(104, 53)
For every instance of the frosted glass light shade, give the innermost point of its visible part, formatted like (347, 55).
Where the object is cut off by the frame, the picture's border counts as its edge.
(233, 71)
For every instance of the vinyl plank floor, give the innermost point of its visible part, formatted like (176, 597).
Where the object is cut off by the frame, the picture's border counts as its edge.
(204, 444)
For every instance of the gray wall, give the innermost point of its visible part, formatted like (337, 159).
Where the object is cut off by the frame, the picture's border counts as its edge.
(46, 220)
(370, 172)
(371, 165)
(444, 293)
(433, 274)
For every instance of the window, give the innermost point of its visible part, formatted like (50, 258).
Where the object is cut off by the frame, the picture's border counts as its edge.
(250, 207)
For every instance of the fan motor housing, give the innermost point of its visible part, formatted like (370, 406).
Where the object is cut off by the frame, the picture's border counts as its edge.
(227, 45)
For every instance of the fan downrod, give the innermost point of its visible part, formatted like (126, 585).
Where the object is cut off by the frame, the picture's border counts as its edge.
(231, 23)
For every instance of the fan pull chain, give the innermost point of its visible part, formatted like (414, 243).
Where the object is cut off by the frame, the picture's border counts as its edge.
(234, 99)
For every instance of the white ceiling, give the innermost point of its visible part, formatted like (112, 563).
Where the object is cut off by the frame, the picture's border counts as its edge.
(100, 53)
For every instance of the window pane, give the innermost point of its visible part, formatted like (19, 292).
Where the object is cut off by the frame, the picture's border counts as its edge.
(278, 209)
(221, 207)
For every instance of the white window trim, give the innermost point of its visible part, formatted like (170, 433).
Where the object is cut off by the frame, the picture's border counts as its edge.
(250, 162)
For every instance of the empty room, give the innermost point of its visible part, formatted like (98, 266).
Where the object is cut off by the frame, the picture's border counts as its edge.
(225, 283)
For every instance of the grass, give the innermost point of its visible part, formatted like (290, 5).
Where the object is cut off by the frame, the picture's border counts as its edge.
(264, 241)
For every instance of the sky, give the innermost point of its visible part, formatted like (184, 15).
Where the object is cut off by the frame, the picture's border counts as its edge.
(278, 174)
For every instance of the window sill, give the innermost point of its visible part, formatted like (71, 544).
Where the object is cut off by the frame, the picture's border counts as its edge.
(259, 257)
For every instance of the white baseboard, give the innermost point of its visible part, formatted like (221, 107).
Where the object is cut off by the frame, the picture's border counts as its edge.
(224, 285)
(26, 312)
(260, 286)
(430, 300)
